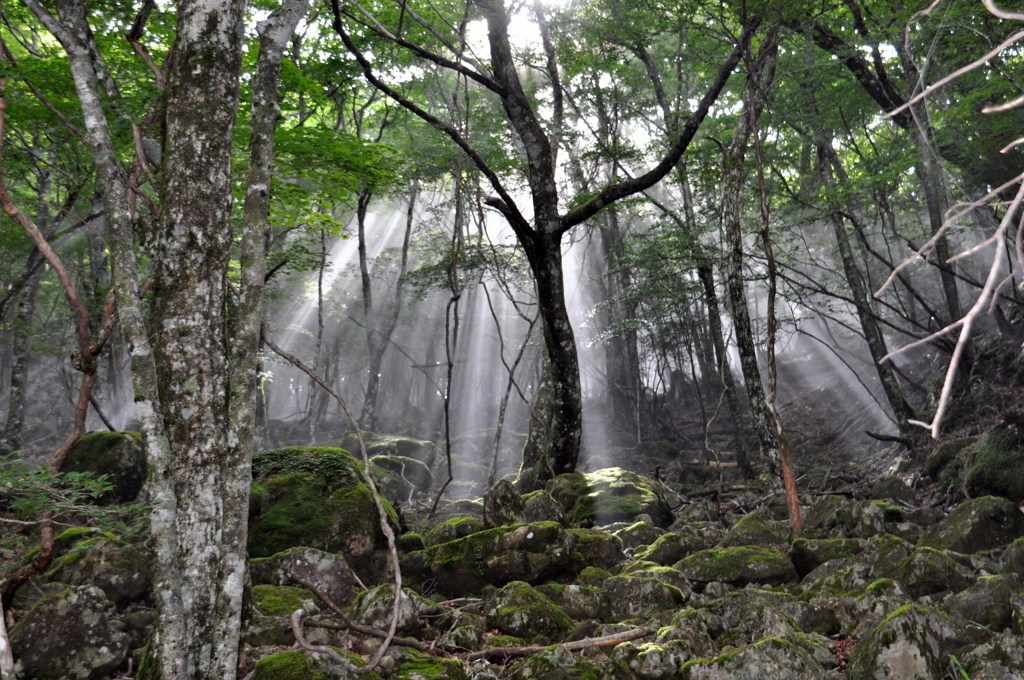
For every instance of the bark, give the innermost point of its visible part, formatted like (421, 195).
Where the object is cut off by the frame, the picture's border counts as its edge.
(858, 291)
(732, 181)
(11, 438)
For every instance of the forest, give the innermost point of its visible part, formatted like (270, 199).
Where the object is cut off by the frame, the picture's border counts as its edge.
(334, 332)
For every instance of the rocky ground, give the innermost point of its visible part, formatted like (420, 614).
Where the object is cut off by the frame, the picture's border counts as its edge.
(608, 574)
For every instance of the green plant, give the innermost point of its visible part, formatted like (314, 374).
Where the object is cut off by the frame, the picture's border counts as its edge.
(958, 672)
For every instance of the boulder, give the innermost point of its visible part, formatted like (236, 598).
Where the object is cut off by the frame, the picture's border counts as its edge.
(975, 525)
(315, 497)
(115, 565)
(739, 566)
(414, 665)
(1001, 658)
(995, 463)
(927, 571)
(374, 607)
(540, 506)
(520, 610)
(638, 535)
(912, 643)
(892, 488)
(401, 477)
(632, 596)
(610, 495)
(988, 602)
(71, 634)
(296, 663)
(503, 506)
(773, 657)
(592, 548)
(118, 455)
(451, 529)
(534, 552)
(754, 529)
(327, 572)
(809, 553)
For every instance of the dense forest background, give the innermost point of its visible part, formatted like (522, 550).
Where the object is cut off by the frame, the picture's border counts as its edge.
(545, 235)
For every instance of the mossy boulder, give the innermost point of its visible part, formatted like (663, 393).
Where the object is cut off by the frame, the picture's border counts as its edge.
(995, 464)
(738, 565)
(558, 663)
(892, 488)
(534, 552)
(975, 525)
(808, 553)
(592, 548)
(281, 601)
(375, 607)
(578, 600)
(451, 529)
(297, 664)
(118, 455)
(521, 610)
(1000, 658)
(329, 572)
(315, 497)
(927, 571)
(673, 546)
(639, 534)
(772, 657)
(1012, 561)
(829, 517)
(631, 596)
(610, 495)
(987, 602)
(72, 633)
(540, 506)
(414, 665)
(753, 529)
(503, 505)
(874, 517)
(912, 643)
(116, 565)
(944, 463)
(401, 477)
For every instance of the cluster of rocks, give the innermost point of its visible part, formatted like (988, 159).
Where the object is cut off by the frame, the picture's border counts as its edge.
(607, 574)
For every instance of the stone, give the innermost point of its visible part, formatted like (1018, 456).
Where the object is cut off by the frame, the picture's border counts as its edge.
(70, 634)
(374, 607)
(115, 565)
(503, 506)
(592, 548)
(673, 546)
(892, 488)
(1001, 658)
(610, 495)
(540, 506)
(119, 455)
(807, 554)
(771, 657)
(987, 602)
(995, 463)
(520, 610)
(638, 535)
(753, 529)
(739, 565)
(976, 525)
(328, 572)
(630, 597)
(912, 643)
(927, 571)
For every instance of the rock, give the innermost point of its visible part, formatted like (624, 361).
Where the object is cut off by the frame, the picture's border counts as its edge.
(299, 665)
(689, 627)
(503, 506)
(413, 665)
(772, 657)
(630, 597)
(753, 529)
(809, 553)
(652, 660)
(329, 572)
(892, 488)
(579, 601)
(1012, 561)
(610, 495)
(1001, 658)
(943, 462)
(374, 607)
(829, 517)
(267, 622)
(871, 518)
(71, 634)
(987, 602)
(119, 455)
(534, 552)
(995, 464)
(558, 663)
(912, 643)
(639, 534)
(977, 524)
(540, 506)
(315, 497)
(451, 529)
(401, 477)
(117, 566)
(519, 609)
(592, 548)
(927, 571)
(739, 565)
(672, 547)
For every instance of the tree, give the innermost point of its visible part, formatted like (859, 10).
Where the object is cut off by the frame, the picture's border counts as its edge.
(537, 138)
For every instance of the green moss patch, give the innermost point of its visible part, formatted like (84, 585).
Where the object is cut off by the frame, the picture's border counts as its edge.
(279, 600)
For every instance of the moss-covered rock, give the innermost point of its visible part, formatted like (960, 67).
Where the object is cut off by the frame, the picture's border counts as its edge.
(558, 663)
(401, 477)
(927, 571)
(987, 602)
(579, 601)
(118, 455)
(1012, 561)
(413, 665)
(610, 495)
(375, 607)
(315, 497)
(540, 506)
(519, 609)
(451, 529)
(892, 488)
(329, 572)
(72, 633)
(280, 601)
(673, 546)
(592, 548)
(639, 534)
(1000, 658)
(292, 665)
(975, 525)
(874, 517)
(116, 565)
(772, 657)
(829, 517)
(912, 643)
(754, 529)
(632, 596)
(995, 464)
(738, 565)
(503, 505)
(535, 552)
(808, 553)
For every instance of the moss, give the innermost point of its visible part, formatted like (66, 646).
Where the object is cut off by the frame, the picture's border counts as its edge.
(592, 575)
(451, 529)
(505, 641)
(420, 666)
(995, 467)
(279, 600)
(738, 565)
(880, 585)
(291, 665)
(333, 467)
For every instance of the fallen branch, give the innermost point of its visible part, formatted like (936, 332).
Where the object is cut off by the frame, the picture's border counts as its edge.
(504, 653)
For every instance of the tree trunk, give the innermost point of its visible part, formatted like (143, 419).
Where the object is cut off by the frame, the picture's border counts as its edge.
(732, 182)
(11, 437)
